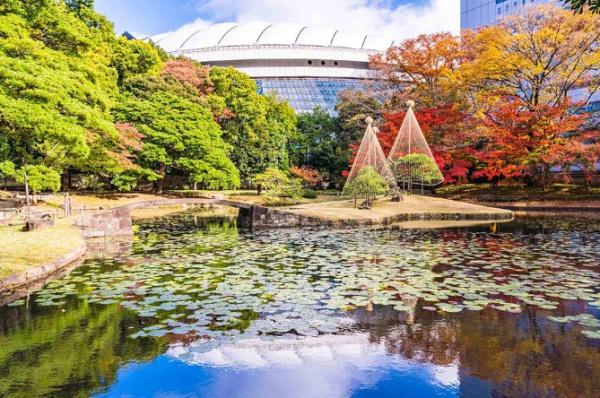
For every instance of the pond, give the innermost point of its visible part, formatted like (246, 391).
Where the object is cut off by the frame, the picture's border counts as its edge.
(195, 307)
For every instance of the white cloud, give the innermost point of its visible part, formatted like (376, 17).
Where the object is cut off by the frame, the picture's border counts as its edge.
(368, 16)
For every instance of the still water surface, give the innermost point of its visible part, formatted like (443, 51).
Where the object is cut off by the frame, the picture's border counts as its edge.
(194, 307)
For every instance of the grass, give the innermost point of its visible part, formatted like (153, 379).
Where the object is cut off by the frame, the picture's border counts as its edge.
(251, 196)
(227, 192)
(412, 204)
(97, 201)
(100, 201)
(514, 193)
(20, 251)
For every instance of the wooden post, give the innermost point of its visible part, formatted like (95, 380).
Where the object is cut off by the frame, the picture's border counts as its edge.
(67, 205)
(27, 200)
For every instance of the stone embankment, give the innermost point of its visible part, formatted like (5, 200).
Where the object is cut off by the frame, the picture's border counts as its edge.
(117, 221)
(583, 207)
(339, 214)
(414, 207)
(14, 286)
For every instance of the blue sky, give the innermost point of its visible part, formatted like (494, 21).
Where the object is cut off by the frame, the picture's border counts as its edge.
(398, 18)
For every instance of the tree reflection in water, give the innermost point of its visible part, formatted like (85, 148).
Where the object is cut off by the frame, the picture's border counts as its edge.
(78, 348)
(516, 355)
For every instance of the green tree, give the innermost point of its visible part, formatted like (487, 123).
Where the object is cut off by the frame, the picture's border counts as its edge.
(319, 145)
(135, 57)
(80, 5)
(180, 134)
(353, 108)
(367, 184)
(260, 126)
(269, 179)
(580, 5)
(38, 178)
(278, 185)
(421, 169)
(56, 87)
(292, 190)
(7, 170)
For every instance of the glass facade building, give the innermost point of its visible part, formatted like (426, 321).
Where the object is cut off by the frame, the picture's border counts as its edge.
(305, 94)
(306, 65)
(477, 13)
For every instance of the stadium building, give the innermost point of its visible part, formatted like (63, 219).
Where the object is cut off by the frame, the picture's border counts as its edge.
(306, 65)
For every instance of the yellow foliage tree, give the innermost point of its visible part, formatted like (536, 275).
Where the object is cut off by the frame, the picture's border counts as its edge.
(537, 56)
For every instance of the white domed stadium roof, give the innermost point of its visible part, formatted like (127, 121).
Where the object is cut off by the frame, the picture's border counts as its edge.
(306, 65)
(199, 36)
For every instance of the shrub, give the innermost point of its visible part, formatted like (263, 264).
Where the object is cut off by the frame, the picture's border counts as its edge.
(367, 184)
(309, 194)
(270, 179)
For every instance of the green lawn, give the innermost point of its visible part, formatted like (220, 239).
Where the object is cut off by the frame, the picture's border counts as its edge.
(513, 193)
(20, 250)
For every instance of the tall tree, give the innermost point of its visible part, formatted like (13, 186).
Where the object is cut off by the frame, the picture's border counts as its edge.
(319, 145)
(422, 69)
(56, 86)
(418, 69)
(538, 56)
(259, 127)
(180, 133)
(135, 57)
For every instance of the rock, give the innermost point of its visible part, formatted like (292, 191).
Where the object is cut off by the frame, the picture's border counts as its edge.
(38, 223)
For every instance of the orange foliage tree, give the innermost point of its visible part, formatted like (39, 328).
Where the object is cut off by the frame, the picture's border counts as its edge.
(494, 104)
(420, 69)
(309, 176)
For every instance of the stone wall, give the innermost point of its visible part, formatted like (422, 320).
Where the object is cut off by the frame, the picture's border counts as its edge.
(265, 217)
(18, 285)
(116, 222)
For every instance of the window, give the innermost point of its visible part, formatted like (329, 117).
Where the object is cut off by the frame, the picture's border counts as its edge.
(305, 94)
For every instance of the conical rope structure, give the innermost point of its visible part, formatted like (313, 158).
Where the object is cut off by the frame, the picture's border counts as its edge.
(370, 154)
(410, 158)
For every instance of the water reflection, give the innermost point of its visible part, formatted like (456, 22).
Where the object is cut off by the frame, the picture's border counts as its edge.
(323, 366)
(68, 353)
(194, 307)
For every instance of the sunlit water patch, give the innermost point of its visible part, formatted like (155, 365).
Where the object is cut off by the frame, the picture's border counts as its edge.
(369, 309)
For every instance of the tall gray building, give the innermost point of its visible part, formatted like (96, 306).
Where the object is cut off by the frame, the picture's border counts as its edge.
(477, 13)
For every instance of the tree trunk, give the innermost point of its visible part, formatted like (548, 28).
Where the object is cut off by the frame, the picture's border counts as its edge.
(64, 181)
(160, 182)
(27, 199)
(544, 178)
